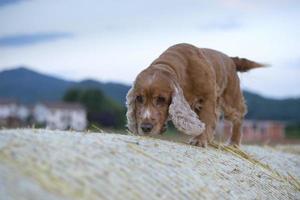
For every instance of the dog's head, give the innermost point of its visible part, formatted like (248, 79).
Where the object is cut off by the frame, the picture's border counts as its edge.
(153, 99)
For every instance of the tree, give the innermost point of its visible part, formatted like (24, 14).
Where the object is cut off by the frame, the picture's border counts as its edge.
(100, 108)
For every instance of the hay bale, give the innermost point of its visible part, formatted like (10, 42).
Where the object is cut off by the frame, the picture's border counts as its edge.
(43, 164)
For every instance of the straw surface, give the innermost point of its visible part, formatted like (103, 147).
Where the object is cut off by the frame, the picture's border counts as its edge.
(43, 164)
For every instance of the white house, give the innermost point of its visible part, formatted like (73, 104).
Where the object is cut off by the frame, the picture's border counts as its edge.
(61, 115)
(12, 113)
(8, 108)
(23, 112)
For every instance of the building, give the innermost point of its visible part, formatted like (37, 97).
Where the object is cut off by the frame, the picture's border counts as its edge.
(12, 114)
(60, 115)
(8, 108)
(255, 130)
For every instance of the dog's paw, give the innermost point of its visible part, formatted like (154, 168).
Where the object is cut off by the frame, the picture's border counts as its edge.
(200, 141)
(233, 143)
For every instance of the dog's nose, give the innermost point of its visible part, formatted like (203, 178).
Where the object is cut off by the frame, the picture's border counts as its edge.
(146, 127)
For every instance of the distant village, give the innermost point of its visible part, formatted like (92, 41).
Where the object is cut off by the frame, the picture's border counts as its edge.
(65, 116)
(51, 115)
(255, 130)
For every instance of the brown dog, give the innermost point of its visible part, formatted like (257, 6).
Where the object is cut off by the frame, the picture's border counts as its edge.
(192, 87)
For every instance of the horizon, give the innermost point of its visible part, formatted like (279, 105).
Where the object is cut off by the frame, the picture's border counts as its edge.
(28, 68)
(113, 41)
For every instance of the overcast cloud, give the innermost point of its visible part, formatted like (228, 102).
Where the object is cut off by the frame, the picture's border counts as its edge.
(114, 40)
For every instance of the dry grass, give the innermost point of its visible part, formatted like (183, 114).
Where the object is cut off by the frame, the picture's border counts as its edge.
(244, 155)
(110, 166)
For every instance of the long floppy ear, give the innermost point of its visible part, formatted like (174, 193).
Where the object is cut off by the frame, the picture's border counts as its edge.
(130, 114)
(182, 116)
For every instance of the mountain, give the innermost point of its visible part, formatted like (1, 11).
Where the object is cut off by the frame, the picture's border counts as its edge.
(266, 108)
(114, 90)
(29, 86)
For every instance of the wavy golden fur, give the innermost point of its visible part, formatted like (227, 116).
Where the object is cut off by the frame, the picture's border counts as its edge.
(192, 87)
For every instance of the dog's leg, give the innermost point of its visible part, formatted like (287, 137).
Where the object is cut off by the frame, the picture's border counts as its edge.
(208, 115)
(234, 110)
(236, 136)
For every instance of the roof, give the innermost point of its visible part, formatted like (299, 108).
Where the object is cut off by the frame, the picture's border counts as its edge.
(63, 105)
(6, 101)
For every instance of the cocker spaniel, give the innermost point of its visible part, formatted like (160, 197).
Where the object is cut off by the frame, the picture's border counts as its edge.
(192, 87)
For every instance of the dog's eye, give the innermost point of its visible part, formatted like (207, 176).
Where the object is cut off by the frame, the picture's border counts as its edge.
(161, 100)
(139, 99)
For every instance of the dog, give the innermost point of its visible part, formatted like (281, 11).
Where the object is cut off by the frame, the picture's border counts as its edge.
(192, 87)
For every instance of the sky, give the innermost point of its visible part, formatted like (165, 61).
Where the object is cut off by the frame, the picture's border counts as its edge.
(114, 40)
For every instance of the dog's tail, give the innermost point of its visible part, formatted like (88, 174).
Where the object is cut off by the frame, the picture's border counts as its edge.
(243, 64)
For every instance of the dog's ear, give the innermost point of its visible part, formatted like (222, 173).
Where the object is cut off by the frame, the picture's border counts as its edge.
(130, 114)
(182, 116)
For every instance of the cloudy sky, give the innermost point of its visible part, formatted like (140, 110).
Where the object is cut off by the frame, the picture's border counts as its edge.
(114, 40)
